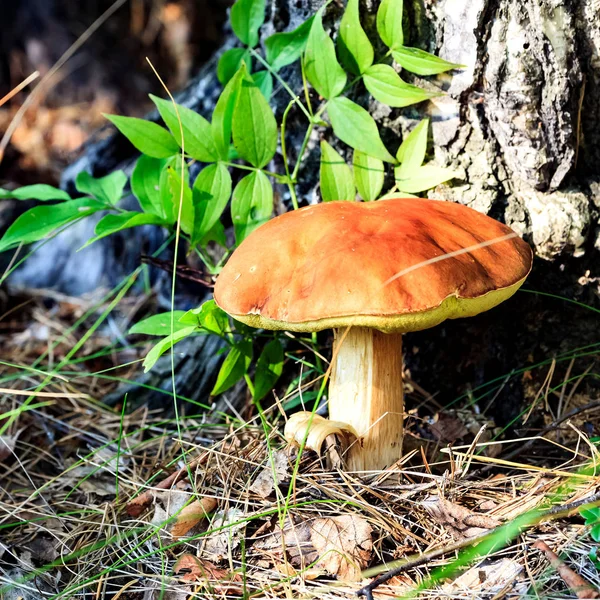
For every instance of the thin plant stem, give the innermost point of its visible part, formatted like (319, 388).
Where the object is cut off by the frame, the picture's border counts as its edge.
(305, 86)
(286, 163)
(309, 131)
(174, 275)
(285, 86)
(251, 168)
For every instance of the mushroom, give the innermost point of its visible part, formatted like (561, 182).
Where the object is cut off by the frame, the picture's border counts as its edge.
(371, 271)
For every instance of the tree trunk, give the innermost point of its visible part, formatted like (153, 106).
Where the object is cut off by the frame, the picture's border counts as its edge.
(523, 119)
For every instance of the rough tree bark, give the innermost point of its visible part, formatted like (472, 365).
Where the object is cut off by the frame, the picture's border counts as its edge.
(523, 119)
(522, 126)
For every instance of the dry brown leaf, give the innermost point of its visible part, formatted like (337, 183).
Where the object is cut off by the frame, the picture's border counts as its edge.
(136, 506)
(340, 545)
(448, 428)
(344, 545)
(100, 487)
(175, 515)
(197, 570)
(229, 526)
(459, 520)
(191, 515)
(166, 504)
(488, 581)
(265, 483)
(43, 549)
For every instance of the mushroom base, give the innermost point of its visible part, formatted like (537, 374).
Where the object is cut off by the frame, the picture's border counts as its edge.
(366, 392)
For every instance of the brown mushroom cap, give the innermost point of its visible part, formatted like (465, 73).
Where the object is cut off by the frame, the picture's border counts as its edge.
(372, 264)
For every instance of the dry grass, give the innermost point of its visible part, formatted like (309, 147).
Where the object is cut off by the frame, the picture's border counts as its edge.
(72, 466)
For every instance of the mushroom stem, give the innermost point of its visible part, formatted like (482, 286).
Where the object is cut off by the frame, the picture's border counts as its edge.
(366, 392)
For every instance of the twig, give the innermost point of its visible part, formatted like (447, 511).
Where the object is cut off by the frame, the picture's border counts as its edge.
(575, 582)
(182, 271)
(413, 561)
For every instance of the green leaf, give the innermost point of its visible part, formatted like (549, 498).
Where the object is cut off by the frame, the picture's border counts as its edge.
(285, 48)
(107, 189)
(264, 82)
(251, 204)
(39, 221)
(223, 115)
(186, 198)
(385, 85)
(216, 234)
(320, 63)
(212, 318)
(269, 367)
(234, 367)
(412, 150)
(389, 23)
(38, 191)
(208, 316)
(166, 344)
(254, 127)
(591, 515)
(368, 175)
(423, 178)
(421, 62)
(211, 192)
(246, 17)
(397, 194)
(145, 183)
(230, 62)
(149, 138)
(354, 48)
(337, 182)
(197, 135)
(168, 201)
(158, 324)
(112, 223)
(356, 127)
(595, 533)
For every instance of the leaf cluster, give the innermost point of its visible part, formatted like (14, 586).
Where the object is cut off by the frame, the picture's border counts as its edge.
(209, 319)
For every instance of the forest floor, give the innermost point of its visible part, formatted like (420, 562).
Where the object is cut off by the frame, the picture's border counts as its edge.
(100, 502)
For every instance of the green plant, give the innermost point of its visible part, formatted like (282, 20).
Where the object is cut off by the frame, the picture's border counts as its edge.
(592, 519)
(243, 134)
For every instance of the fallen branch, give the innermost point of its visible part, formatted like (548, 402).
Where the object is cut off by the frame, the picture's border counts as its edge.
(575, 582)
(410, 562)
(183, 271)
